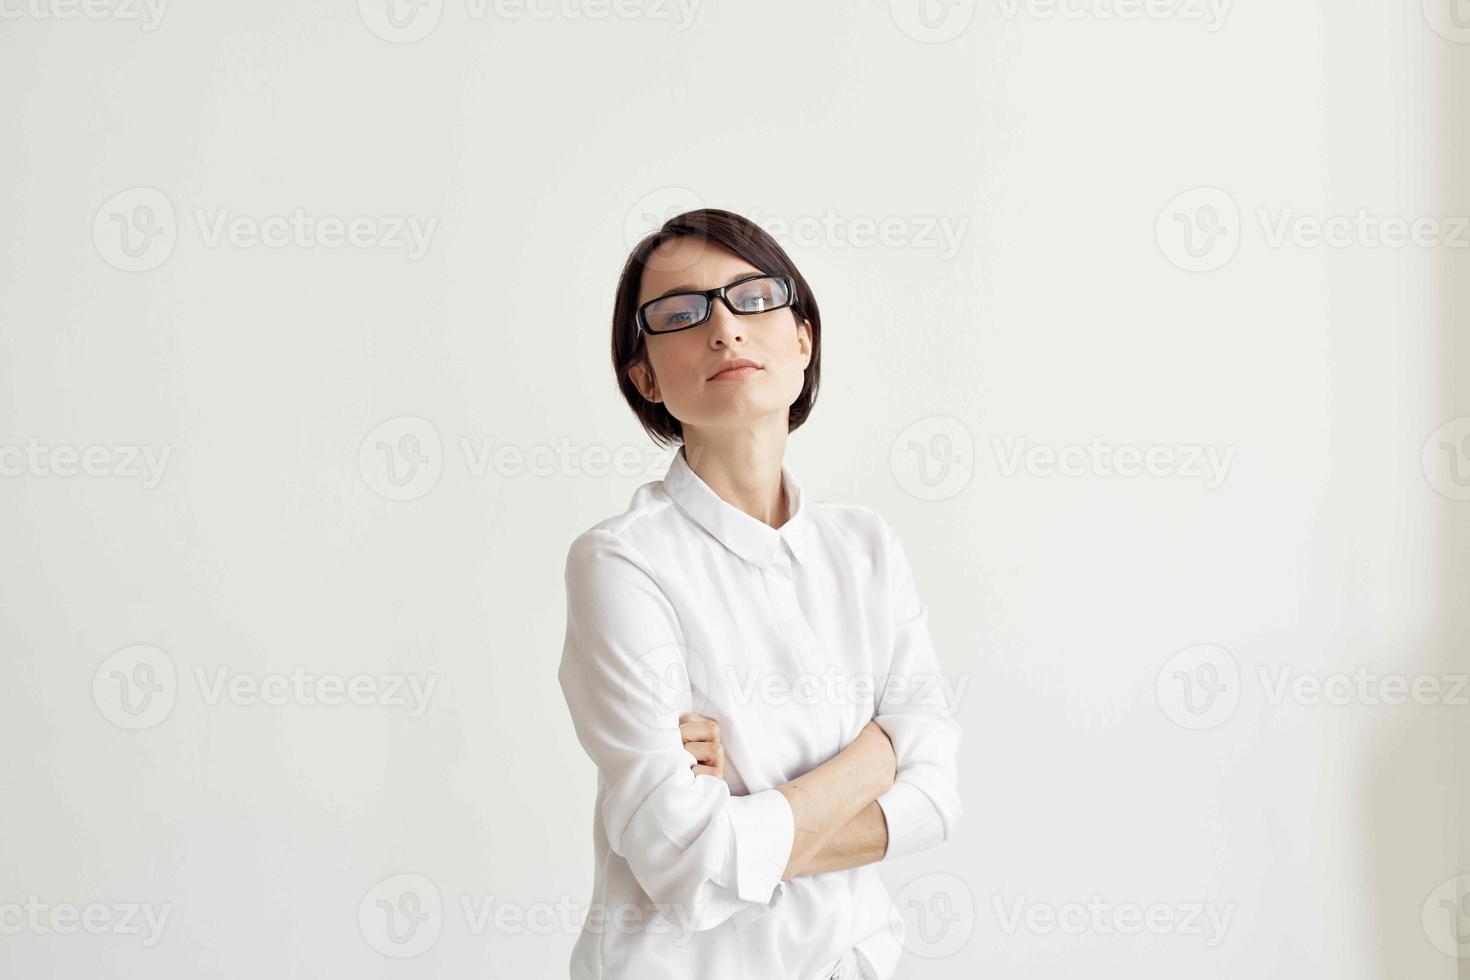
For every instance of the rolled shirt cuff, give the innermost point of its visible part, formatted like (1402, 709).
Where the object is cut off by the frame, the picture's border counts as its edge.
(913, 820)
(764, 828)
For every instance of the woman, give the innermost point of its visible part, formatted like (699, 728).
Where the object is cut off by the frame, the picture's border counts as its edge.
(776, 640)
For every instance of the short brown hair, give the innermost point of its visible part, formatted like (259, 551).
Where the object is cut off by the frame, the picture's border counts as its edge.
(739, 236)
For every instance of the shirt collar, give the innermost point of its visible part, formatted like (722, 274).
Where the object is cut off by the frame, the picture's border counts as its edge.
(753, 540)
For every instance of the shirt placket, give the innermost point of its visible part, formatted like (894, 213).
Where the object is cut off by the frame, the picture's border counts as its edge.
(780, 583)
(808, 655)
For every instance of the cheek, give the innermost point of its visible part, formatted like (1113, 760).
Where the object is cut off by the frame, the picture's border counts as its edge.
(676, 365)
(797, 379)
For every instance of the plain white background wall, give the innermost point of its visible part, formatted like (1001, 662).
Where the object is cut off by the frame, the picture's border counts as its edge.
(1052, 231)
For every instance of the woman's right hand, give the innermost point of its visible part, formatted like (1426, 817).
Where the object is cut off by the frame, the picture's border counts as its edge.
(701, 735)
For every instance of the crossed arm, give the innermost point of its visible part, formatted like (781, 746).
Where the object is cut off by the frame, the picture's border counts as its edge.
(689, 842)
(839, 823)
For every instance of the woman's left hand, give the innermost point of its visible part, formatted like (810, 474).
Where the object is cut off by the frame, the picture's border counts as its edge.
(701, 735)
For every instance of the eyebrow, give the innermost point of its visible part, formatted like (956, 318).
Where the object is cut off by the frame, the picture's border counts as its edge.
(691, 288)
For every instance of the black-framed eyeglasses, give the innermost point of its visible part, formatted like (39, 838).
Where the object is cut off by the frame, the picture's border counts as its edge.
(758, 293)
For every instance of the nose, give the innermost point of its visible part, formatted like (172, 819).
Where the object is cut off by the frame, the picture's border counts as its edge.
(725, 326)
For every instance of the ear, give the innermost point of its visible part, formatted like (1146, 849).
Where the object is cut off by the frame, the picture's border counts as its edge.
(804, 339)
(646, 383)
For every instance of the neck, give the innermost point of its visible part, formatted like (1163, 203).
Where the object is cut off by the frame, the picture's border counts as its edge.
(745, 471)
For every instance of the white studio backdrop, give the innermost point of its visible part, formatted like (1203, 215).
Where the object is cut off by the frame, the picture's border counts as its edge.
(305, 390)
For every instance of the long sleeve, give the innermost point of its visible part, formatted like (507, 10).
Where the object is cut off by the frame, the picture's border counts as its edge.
(686, 839)
(923, 805)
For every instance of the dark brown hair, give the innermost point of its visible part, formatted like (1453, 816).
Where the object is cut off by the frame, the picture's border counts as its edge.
(738, 236)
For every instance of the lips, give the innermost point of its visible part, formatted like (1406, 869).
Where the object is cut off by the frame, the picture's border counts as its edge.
(736, 368)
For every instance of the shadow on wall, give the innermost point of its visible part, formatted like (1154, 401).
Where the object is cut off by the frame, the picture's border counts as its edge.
(1452, 169)
(1454, 365)
(1415, 800)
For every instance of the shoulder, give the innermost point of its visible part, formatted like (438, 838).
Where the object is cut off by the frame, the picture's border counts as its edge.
(622, 539)
(857, 536)
(857, 524)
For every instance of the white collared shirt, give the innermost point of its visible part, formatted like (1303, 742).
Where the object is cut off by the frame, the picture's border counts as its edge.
(792, 639)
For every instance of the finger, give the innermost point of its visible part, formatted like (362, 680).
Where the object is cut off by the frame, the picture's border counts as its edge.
(706, 752)
(699, 729)
(708, 771)
(693, 716)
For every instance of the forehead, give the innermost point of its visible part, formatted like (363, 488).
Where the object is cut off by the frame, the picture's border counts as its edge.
(691, 263)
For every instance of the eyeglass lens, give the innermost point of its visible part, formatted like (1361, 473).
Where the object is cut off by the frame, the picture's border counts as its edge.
(685, 309)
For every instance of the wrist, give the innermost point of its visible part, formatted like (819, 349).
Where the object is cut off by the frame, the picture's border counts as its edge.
(880, 762)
